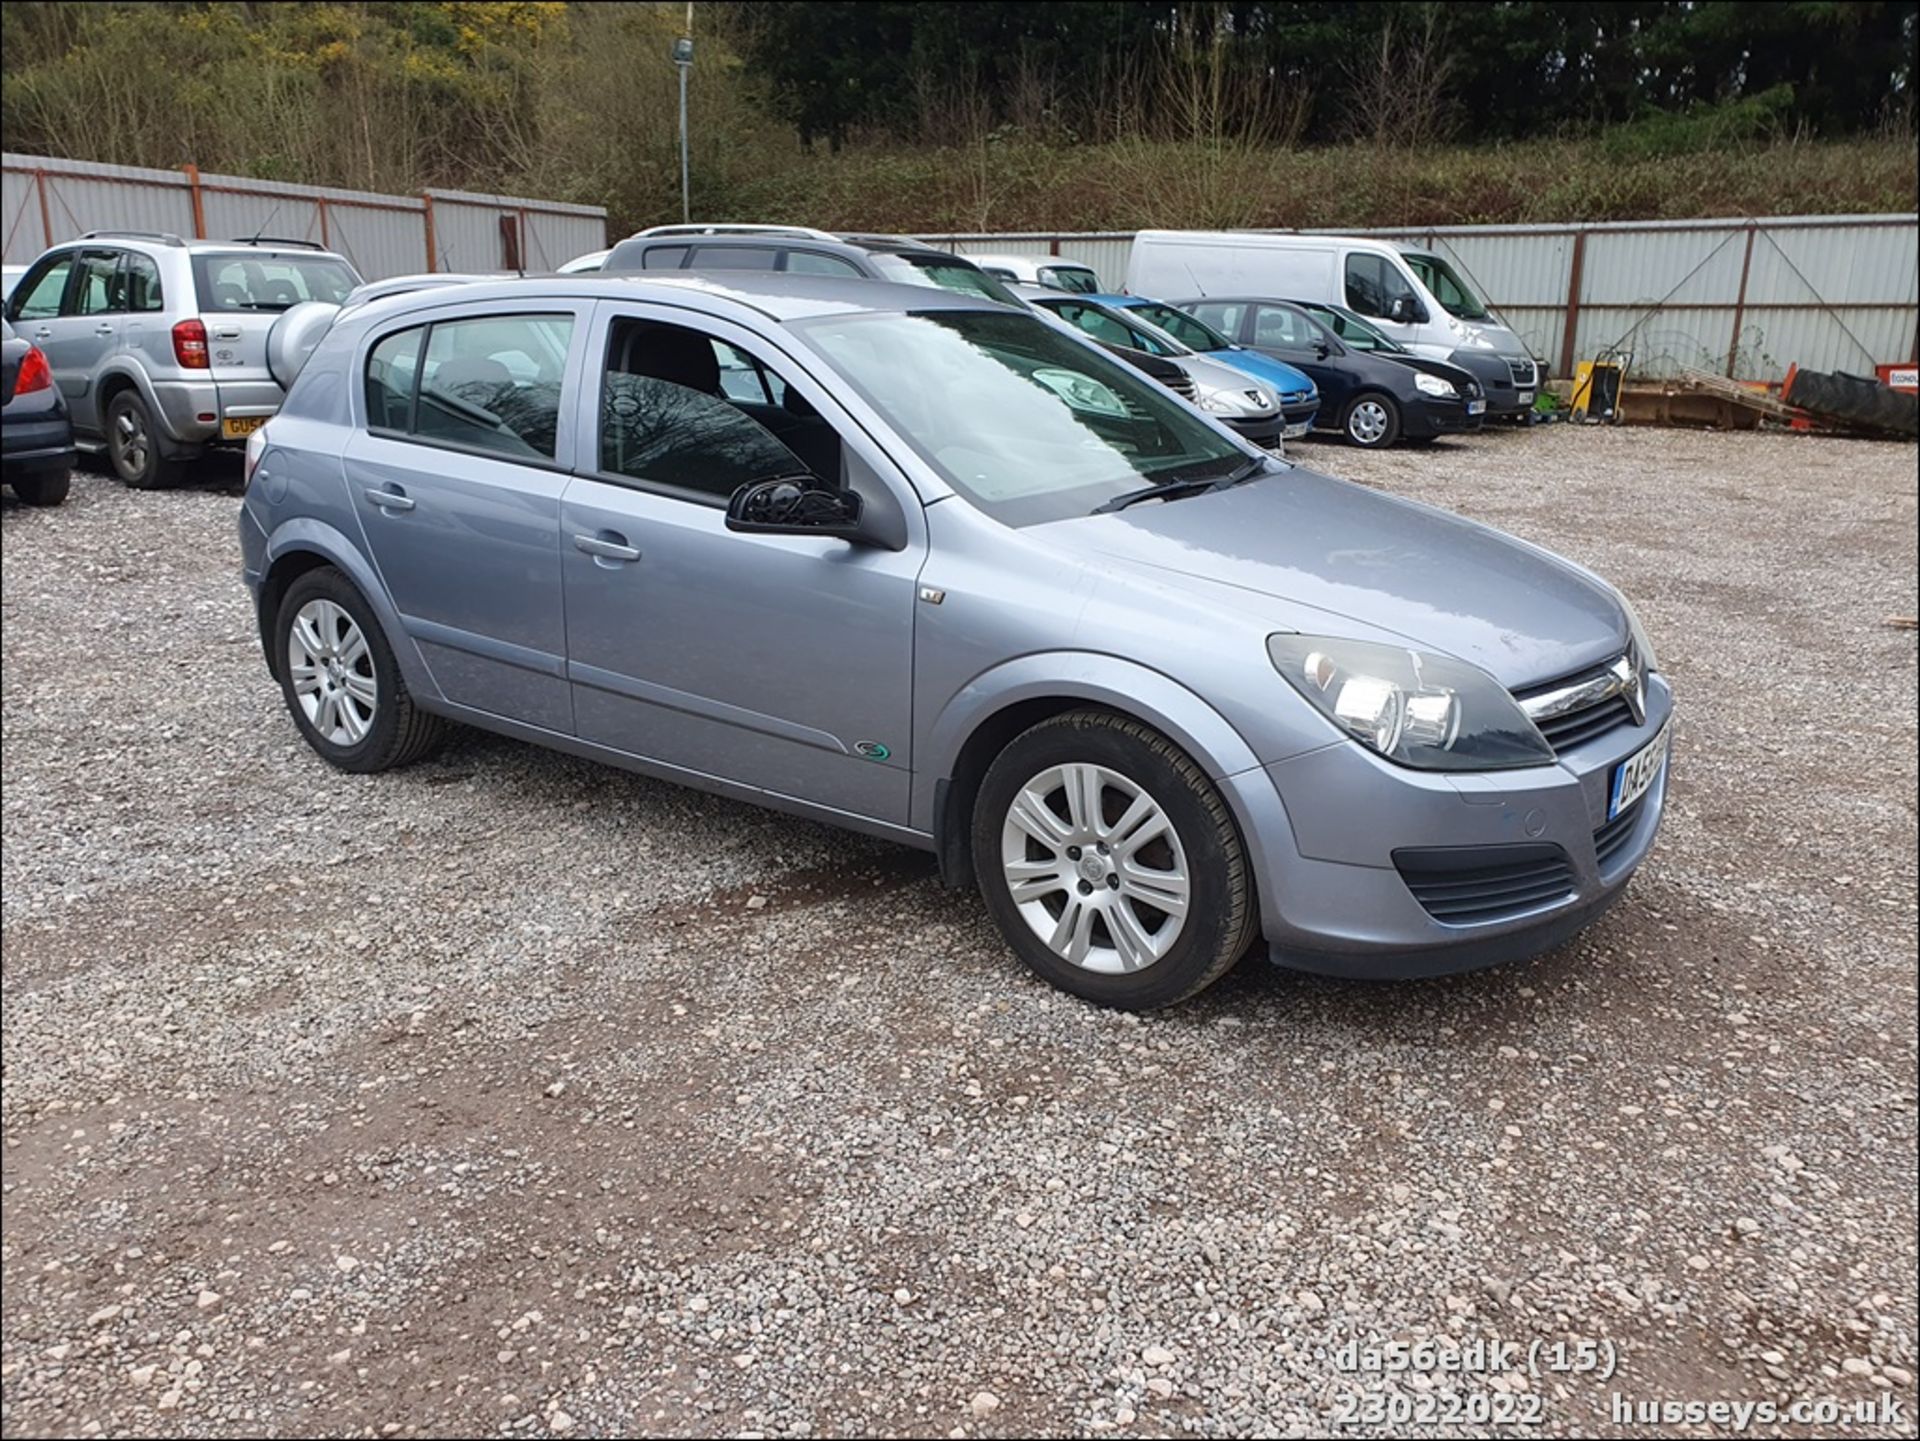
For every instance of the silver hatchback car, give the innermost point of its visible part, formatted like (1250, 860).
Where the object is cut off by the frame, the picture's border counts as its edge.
(932, 569)
(159, 344)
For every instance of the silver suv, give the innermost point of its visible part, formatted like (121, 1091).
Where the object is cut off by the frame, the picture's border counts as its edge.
(160, 344)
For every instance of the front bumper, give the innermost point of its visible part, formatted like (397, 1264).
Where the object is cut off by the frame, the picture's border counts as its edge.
(1265, 431)
(1323, 828)
(1432, 415)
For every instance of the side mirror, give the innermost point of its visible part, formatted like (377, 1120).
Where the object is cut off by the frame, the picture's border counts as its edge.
(1401, 309)
(789, 507)
(1323, 350)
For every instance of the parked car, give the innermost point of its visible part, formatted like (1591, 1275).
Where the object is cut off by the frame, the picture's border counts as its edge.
(36, 440)
(953, 578)
(1048, 271)
(1251, 408)
(8, 275)
(1412, 295)
(1372, 391)
(1299, 396)
(160, 344)
(796, 250)
(583, 264)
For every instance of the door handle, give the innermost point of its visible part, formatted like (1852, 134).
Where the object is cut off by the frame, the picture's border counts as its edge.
(103, 330)
(226, 335)
(606, 549)
(42, 333)
(389, 500)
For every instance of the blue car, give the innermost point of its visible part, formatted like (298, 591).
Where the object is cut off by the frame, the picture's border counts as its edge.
(1299, 396)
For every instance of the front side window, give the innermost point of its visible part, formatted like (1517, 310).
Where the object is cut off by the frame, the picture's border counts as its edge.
(1028, 424)
(1374, 283)
(686, 412)
(1352, 329)
(1075, 278)
(266, 281)
(1183, 327)
(97, 291)
(489, 383)
(37, 297)
(1283, 329)
(1448, 288)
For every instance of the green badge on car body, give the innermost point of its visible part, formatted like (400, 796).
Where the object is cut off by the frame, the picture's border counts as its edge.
(872, 750)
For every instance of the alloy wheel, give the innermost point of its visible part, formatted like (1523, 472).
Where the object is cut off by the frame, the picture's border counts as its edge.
(130, 441)
(331, 667)
(1096, 868)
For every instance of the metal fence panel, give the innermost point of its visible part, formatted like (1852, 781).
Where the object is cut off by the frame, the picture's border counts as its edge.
(46, 200)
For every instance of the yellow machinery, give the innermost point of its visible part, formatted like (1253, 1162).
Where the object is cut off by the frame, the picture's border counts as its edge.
(1596, 388)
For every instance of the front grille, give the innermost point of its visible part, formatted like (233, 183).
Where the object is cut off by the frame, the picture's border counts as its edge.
(1181, 385)
(1563, 732)
(1475, 885)
(1296, 397)
(1522, 372)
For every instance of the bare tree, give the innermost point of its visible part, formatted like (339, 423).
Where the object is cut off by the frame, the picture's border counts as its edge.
(1399, 93)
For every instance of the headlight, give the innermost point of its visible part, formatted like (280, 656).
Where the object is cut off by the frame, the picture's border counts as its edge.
(1642, 645)
(1430, 712)
(1432, 385)
(1221, 402)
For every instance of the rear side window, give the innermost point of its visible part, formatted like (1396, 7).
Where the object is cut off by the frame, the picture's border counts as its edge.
(734, 257)
(489, 383)
(39, 295)
(1282, 329)
(268, 281)
(143, 283)
(94, 292)
(1223, 318)
(663, 257)
(808, 262)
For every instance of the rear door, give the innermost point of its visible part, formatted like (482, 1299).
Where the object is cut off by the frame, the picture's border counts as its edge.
(240, 294)
(85, 331)
(456, 479)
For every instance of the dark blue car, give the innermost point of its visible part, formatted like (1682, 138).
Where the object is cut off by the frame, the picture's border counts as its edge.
(36, 439)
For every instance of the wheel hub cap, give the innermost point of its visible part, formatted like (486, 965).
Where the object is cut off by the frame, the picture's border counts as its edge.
(1096, 868)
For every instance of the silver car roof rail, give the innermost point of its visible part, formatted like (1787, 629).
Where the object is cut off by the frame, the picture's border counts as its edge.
(803, 232)
(276, 242)
(165, 237)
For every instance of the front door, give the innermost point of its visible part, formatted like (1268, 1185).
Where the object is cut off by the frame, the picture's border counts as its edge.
(1286, 334)
(783, 663)
(457, 488)
(1379, 289)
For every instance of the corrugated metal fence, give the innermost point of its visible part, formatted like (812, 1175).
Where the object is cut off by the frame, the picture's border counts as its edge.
(43, 201)
(1745, 298)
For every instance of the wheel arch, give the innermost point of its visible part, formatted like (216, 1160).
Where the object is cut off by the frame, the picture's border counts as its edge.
(303, 545)
(987, 713)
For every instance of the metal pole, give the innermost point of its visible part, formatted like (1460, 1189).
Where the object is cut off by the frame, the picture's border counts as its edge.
(686, 201)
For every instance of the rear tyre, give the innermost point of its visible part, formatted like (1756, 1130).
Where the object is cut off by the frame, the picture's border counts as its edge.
(340, 681)
(1371, 421)
(46, 487)
(1111, 863)
(133, 444)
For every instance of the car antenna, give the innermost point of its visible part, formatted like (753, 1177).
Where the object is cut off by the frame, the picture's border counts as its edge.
(1193, 282)
(254, 239)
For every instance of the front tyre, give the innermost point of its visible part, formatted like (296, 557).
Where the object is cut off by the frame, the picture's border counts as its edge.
(1371, 421)
(340, 680)
(1111, 863)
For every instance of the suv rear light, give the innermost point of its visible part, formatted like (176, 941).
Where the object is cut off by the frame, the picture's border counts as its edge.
(190, 345)
(34, 372)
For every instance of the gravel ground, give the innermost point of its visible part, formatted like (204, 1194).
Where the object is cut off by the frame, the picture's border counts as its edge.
(512, 1095)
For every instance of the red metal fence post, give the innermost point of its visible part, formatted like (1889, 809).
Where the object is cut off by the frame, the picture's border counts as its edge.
(1573, 303)
(1740, 305)
(199, 206)
(46, 215)
(427, 201)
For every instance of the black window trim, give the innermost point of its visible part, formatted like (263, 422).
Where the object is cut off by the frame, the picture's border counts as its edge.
(410, 437)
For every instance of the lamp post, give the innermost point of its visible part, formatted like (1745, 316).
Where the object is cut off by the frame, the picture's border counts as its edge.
(683, 62)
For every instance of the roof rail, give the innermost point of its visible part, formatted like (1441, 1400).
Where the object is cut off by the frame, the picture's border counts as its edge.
(163, 236)
(806, 232)
(279, 240)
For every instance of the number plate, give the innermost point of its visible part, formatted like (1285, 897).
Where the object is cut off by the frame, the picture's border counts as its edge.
(238, 427)
(1635, 775)
(1526, 397)
(1296, 430)
(1476, 407)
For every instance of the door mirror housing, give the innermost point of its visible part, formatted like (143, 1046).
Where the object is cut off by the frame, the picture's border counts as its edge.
(1406, 310)
(1322, 349)
(790, 506)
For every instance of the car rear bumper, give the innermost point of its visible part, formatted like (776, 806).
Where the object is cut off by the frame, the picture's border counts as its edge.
(36, 442)
(193, 412)
(1339, 839)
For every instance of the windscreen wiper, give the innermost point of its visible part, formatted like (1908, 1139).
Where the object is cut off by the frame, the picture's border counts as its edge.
(1181, 489)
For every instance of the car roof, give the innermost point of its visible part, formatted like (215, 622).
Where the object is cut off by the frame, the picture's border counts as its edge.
(778, 296)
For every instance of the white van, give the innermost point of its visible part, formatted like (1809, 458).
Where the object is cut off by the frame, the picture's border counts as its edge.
(1411, 294)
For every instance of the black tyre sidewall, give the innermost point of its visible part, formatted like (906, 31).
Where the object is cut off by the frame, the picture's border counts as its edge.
(1388, 404)
(379, 748)
(156, 474)
(45, 487)
(1216, 858)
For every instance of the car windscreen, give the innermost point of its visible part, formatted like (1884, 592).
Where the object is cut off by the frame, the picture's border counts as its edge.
(1028, 424)
(268, 280)
(1353, 330)
(1195, 334)
(1077, 278)
(946, 273)
(1448, 288)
